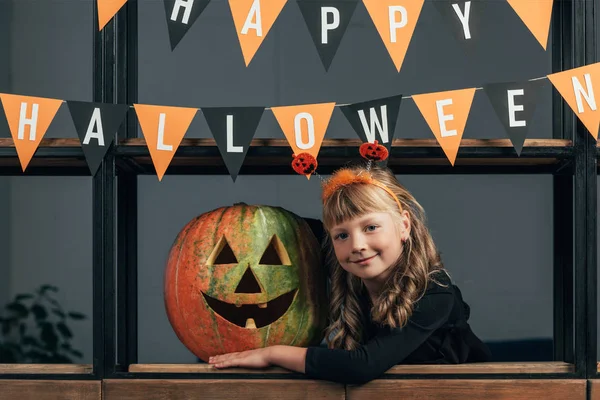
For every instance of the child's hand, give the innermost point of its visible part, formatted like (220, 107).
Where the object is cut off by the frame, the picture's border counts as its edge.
(258, 358)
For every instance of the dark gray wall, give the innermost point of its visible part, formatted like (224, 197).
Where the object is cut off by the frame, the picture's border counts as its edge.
(51, 55)
(5, 17)
(5, 78)
(47, 52)
(5, 245)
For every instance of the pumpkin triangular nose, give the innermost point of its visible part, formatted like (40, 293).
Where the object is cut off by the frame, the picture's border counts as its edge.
(248, 283)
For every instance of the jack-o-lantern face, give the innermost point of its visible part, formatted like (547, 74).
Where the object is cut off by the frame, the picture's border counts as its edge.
(373, 151)
(251, 315)
(244, 277)
(304, 163)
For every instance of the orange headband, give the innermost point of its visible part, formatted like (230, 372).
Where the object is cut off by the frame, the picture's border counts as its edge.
(345, 177)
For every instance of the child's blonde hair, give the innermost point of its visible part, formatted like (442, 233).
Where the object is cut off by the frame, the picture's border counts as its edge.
(410, 275)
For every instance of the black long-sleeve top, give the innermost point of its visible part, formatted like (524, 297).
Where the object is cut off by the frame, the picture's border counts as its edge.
(436, 333)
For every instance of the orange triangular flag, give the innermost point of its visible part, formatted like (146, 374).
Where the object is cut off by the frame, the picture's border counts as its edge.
(107, 9)
(446, 114)
(164, 128)
(579, 86)
(395, 21)
(304, 126)
(253, 19)
(536, 15)
(28, 119)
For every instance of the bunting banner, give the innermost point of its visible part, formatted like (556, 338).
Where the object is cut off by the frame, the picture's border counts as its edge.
(164, 128)
(395, 21)
(253, 20)
(374, 120)
(463, 19)
(514, 104)
(96, 125)
(327, 21)
(536, 15)
(181, 15)
(446, 114)
(304, 126)
(233, 129)
(107, 9)
(28, 120)
(578, 86)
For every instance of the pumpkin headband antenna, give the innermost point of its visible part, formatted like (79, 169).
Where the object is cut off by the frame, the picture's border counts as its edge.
(306, 164)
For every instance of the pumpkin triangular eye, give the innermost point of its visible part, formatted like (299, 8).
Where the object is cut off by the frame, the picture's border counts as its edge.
(222, 254)
(275, 254)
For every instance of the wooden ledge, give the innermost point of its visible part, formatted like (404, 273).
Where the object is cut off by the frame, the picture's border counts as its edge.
(46, 369)
(475, 368)
(356, 142)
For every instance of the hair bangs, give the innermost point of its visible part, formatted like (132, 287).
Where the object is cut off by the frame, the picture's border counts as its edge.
(354, 201)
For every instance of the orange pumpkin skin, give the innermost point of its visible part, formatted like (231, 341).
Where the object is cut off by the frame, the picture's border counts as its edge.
(195, 276)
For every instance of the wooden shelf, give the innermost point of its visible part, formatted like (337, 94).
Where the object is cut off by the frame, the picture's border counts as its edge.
(273, 157)
(45, 369)
(474, 368)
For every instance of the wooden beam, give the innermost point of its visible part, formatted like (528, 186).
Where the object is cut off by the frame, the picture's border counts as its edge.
(471, 368)
(50, 390)
(249, 389)
(459, 389)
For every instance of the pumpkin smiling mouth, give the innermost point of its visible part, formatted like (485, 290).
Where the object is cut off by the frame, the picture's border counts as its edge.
(252, 315)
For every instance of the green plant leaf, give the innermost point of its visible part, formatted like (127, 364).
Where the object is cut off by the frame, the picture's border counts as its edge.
(5, 328)
(45, 288)
(7, 355)
(59, 313)
(18, 308)
(76, 315)
(22, 329)
(23, 296)
(35, 356)
(39, 312)
(64, 330)
(52, 301)
(31, 341)
(48, 336)
(61, 358)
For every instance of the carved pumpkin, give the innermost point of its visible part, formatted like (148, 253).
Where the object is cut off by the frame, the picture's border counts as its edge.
(373, 151)
(244, 277)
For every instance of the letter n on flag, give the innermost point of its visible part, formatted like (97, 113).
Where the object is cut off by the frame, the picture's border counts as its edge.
(164, 128)
(579, 86)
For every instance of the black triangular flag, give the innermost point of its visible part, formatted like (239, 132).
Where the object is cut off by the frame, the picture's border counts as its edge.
(464, 19)
(374, 119)
(181, 18)
(96, 125)
(233, 129)
(514, 103)
(327, 21)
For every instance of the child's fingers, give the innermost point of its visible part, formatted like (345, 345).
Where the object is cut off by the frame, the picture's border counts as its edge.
(221, 357)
